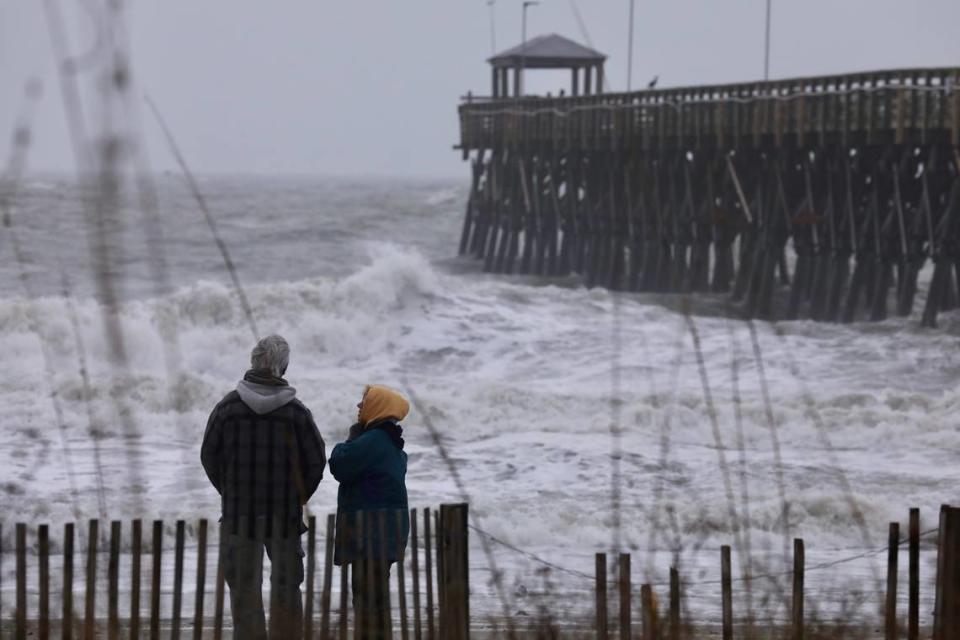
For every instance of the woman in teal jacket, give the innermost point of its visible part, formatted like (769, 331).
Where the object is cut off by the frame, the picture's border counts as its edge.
(372, 509)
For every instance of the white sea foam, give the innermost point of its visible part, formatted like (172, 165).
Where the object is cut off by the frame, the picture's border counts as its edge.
(516, 377)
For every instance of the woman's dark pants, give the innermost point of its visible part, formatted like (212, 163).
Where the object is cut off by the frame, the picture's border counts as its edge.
(371, 598)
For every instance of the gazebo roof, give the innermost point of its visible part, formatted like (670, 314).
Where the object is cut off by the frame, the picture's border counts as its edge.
(548, 52)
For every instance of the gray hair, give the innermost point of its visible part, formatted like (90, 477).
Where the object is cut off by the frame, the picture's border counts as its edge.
(271, 353)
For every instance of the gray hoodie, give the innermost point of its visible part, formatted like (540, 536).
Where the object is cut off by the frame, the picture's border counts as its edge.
(262, 398)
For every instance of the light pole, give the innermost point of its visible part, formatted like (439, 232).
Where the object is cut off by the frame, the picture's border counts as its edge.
(766, 46)
(493, 28)
(630, 50)
(523, 50)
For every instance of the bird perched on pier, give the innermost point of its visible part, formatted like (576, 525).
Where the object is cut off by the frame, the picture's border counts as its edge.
(653, 83)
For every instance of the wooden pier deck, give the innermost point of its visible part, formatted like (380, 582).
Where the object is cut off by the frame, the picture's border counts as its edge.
(705, 189)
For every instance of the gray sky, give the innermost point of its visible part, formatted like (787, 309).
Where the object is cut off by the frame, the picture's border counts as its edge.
(358, 87)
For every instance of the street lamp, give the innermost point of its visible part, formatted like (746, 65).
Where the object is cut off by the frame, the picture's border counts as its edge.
(766, 46)
(493, 28)
(630, 50)
(523, 50)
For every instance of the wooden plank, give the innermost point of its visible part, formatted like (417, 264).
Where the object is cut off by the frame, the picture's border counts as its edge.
(913, 607)
(797, 606)
(955, 110)
(384, 578)
(899, 109)
(890, 608)
(21, 549)
(453, 571)
(600, 571)
(428, 574)
(361, 617)
(626, 595)
(136, 554)
(366, 616)
(726, 592)
(674, 604)
(401, 579)
(327, 579)
(67, 609)
(201, 590)
(946, 615)
(438, 568)
(113, 583)
(415, 568)
(43, 552)
(157, 551)
(344, 581)
(311, 570)
(90, 600)
(219, 589)
(651, 630)
(177, 581)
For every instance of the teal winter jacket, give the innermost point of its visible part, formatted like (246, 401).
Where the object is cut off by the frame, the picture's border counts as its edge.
(371, 469)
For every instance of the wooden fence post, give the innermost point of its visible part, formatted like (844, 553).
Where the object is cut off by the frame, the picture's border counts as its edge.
(177, 580)
(384, 579)
(201, 592)
(674, 604)
(219, 589)
(415, 568)
(113, 583)
(601, 597)
(651, 626)
(453, 579)
(136, 554)
(401, 578)
(43, 543)
(428, 573)
(946, 614)
(798, 567)
(21, 616)
(90, 602)
(327, 580)
(344, 577)
(913, 608)
(626, 595)
(361, 615)
(726, 592)
(438, 568)
(311, 570)
(890, 610)
(67, 613)
(155, 580)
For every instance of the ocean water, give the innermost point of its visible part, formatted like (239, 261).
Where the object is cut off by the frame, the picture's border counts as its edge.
(516, 374)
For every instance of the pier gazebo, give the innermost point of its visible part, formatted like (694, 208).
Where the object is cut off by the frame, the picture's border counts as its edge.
(548, 52)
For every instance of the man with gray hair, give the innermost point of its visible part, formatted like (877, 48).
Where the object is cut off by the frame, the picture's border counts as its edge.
(264, 455)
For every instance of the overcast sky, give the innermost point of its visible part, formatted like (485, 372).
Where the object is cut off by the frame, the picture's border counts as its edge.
(370, 87)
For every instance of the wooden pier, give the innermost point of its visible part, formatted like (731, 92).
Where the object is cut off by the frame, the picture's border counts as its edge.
(818, 198)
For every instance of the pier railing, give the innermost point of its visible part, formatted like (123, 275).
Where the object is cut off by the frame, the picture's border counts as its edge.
(904, 106)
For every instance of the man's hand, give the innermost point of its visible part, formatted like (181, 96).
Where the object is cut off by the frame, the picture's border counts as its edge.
(355, 432)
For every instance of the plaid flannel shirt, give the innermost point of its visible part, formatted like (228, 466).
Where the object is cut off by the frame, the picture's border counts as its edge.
(266, 466)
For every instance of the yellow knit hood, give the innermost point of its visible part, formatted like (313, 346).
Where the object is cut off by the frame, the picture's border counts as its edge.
(381, 402)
